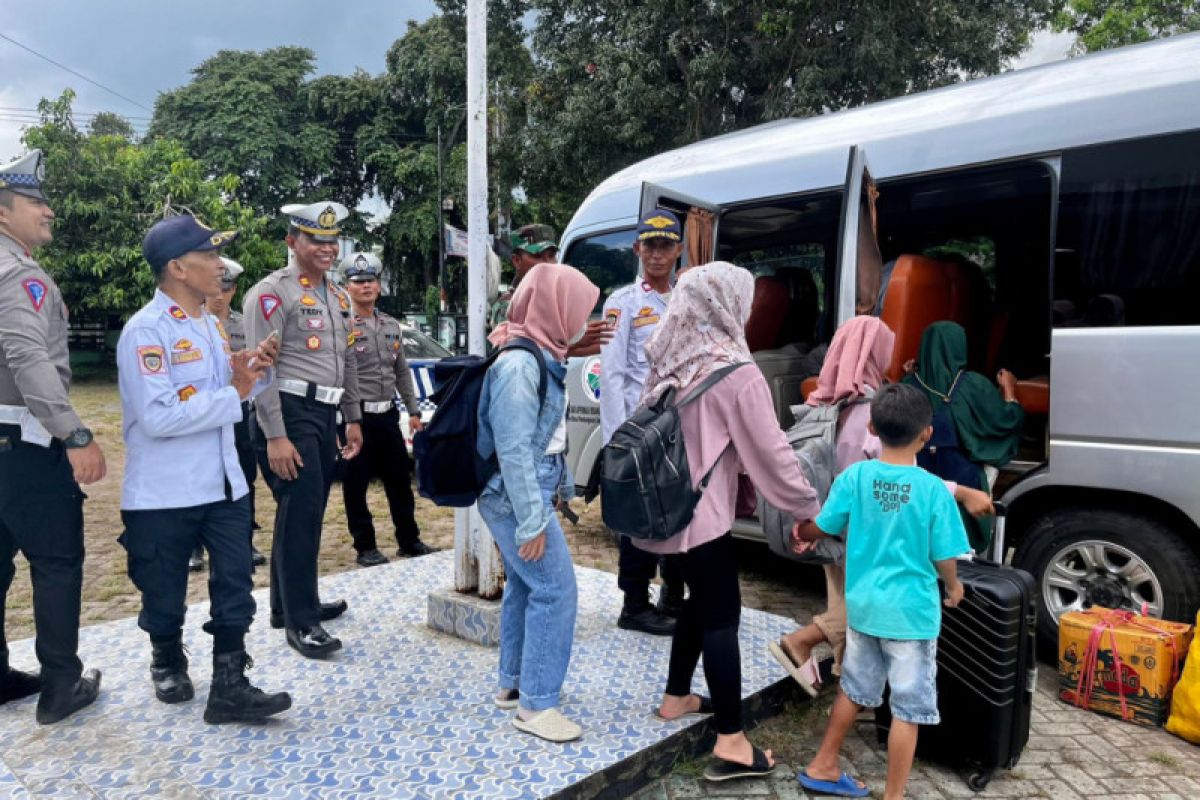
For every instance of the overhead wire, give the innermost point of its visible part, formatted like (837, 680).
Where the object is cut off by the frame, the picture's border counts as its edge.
(76, 73)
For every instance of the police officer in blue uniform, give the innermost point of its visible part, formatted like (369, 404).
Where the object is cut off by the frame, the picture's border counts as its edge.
(632, 313)
(295, 432)
(181, 395)
(45, 453)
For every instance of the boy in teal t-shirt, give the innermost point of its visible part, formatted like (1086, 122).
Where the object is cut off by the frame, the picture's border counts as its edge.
(902, 531)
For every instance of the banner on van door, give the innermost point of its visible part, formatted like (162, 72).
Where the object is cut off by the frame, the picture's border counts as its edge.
(591, 378)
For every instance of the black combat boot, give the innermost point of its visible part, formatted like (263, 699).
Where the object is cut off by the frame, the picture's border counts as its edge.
(233, 699)
(644, 618)
(670, 601)
(168, 671)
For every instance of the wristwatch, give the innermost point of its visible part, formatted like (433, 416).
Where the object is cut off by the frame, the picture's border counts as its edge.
(80, 437)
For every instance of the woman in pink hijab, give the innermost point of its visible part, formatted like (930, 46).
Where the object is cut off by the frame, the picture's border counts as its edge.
(702, 331)
(853, 370)
(527, 436)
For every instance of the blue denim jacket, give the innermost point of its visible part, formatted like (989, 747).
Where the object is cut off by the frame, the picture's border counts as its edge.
(512, 427)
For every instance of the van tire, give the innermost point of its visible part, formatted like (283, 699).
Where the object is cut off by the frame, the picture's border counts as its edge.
(1058, 537)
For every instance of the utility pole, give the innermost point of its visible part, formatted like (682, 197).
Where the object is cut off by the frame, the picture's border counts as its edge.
(441, 263)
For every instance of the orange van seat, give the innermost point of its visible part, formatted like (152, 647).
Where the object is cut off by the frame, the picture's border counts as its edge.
(1034, 395)
(767, 313)
(807, 387)
(923, 291)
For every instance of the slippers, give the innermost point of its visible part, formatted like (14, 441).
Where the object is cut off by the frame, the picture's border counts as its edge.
(508, 702)
(722, 770)
(844, 786)
(706, 708)
(550, 725)
(808, 674)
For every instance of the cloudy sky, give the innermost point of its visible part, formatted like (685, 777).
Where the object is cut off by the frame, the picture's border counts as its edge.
(139, 48)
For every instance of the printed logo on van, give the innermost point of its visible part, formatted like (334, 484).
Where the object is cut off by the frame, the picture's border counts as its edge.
(591, 378)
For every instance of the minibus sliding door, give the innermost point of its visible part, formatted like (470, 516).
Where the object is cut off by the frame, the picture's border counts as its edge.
(860, 264)
(692, 212)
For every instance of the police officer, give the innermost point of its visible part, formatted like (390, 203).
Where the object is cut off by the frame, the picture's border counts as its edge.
(296, 434)
(41, 506)
(382, 369)
(181, 395)
(632, 313)
(229, 322)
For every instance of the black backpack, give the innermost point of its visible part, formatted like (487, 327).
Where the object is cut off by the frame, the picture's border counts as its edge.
(449, 470)
(645, 484)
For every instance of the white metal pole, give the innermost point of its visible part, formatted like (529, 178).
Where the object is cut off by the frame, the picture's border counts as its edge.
(470, 538)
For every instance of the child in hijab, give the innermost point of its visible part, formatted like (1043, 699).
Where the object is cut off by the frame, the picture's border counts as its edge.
(702, 331)
(528, 438)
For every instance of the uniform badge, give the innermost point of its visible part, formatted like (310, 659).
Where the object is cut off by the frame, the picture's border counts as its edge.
(328, 218)
(150, 359)
(612, 317)
(269, 304)
(177, 312)
(221, 330)
(313, 342)
(351, 338)
(187, 356)
(314, 323)
(343, 302)
(186, 392)
(183, 344)
(362, 348)
(645, 311)
(36, 291)
(659, 222)
(305, 282)
(308, 300)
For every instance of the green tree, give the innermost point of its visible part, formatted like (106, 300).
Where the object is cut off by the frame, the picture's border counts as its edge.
(618, 80)
(250, 114)
(107, 191)
(106, 123)
(1101, 24)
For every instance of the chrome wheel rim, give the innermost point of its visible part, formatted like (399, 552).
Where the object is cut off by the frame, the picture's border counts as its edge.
(1096, 572)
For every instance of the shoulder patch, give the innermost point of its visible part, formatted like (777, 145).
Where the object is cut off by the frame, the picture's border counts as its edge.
(269, 304)
(177, 312)
(36, 291)
(186, 392)
(150, 359)
(313, 342)
(612, 316)
(343, 302)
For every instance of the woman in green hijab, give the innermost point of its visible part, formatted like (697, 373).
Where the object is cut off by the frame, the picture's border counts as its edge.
(987, 421)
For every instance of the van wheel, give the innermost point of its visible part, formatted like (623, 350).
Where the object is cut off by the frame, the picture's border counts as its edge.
(1082, 558)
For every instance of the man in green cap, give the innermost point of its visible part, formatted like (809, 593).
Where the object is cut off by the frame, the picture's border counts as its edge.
(531, 245)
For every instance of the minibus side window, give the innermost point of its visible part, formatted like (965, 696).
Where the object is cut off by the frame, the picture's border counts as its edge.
(1128, 244)
(607, 259)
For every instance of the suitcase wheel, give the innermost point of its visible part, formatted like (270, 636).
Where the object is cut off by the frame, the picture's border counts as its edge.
(978, 781)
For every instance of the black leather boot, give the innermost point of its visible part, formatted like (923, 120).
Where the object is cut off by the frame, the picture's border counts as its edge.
(645, 618)
(57, 704)
(168, 671)
(232, 698)
(670, 601)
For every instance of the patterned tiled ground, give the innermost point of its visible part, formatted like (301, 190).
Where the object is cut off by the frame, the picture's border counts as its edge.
(402, 712)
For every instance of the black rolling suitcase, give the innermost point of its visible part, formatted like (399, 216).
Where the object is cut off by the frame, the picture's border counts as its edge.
(987, 671)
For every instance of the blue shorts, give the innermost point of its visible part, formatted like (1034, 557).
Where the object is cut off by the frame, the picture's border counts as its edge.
(908, 666)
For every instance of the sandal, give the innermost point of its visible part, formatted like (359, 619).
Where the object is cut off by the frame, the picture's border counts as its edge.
(706, 708)
(508, 699)
(550, 725)
(844, 786)
(808, 674)
(722, 770)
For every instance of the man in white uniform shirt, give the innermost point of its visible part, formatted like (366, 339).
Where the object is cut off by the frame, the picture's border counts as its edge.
(181, 395)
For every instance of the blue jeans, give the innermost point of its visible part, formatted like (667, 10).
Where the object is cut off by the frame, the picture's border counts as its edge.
(908, 666)
(537, 614)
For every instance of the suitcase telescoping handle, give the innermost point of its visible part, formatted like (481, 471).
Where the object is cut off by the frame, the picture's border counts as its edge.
(998, 534)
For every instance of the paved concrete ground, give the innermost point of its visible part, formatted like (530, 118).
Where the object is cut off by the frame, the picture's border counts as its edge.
(1072, 754)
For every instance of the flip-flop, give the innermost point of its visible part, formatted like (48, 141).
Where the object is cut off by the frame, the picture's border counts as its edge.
(722, 770)
(705, 709)
(844, 786)
(802, 674)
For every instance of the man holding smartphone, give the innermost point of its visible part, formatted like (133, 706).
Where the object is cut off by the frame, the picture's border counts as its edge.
(296, 436)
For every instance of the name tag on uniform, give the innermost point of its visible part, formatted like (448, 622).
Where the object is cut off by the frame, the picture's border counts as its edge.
(311, 312)
(187, 357)
(639, 322)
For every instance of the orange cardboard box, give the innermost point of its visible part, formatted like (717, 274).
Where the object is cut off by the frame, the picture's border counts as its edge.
(1149, 652)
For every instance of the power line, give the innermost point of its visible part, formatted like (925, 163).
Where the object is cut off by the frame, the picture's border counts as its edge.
(74, 72)
(75, 112)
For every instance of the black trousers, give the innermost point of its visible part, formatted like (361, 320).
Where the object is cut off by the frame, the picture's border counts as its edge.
(159, 543)
(383, 456)
(243, 442)
(709, 625)
(300, 507)
(41, 514)
(636, 568)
